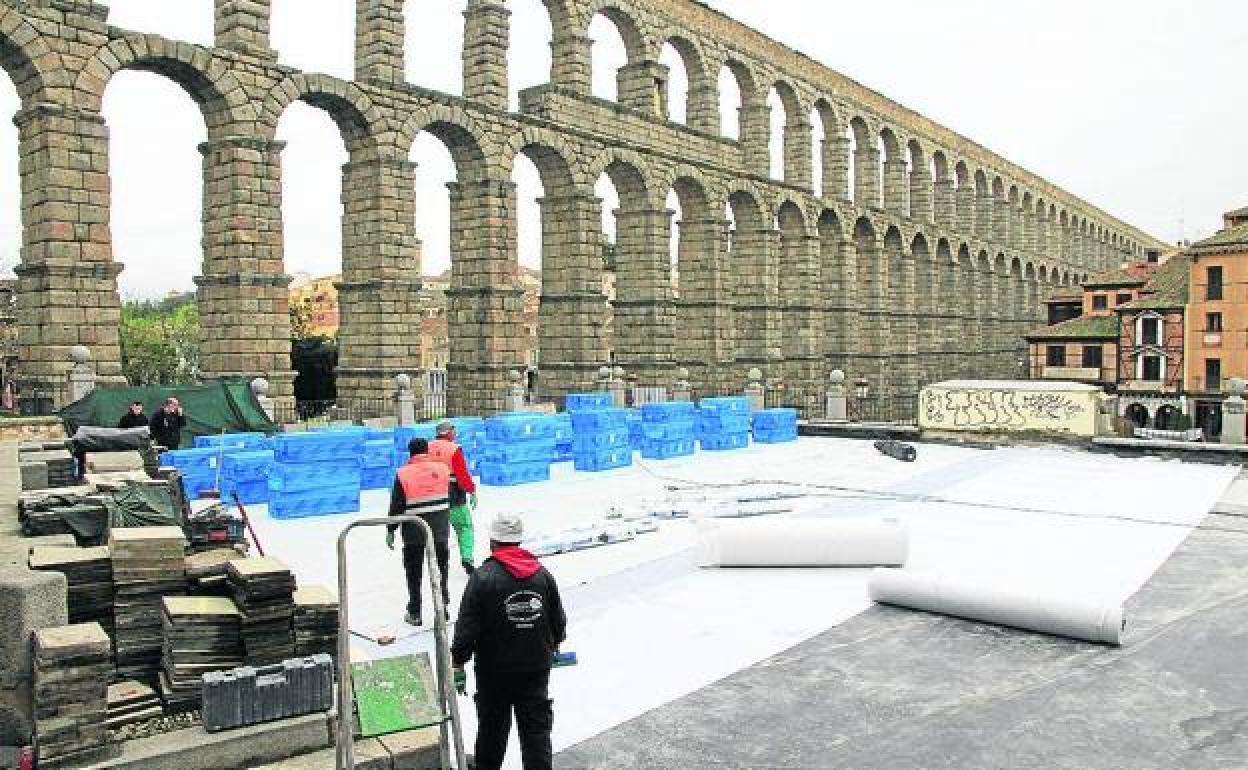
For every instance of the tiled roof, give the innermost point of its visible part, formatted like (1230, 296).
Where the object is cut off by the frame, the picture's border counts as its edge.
(1230, 240)
(1167, 288)
(1066, 295)
(1086, 327)
(1115, 277)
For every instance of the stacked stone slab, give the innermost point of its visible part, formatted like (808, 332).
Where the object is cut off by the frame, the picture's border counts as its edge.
(89, 572)
(263, 589)
(148, 564)
(201, 634)
(72, 671)
(130, 702)
(316, 622)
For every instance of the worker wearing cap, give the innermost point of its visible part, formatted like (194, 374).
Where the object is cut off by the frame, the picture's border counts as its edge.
(511, 620)
(420, 487)
(463, 491)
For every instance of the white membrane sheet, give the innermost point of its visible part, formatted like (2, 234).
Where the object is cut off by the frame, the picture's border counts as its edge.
(649, 626)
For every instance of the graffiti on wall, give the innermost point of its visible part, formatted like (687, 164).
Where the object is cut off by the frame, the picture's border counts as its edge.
(989, 409)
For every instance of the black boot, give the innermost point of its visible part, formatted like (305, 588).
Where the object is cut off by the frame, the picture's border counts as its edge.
(468, 568)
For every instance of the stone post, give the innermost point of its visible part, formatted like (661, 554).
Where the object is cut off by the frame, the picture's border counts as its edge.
(756, 135)
(702, 111)
(799, 152)
(404, 400)
(836, 406)
(604, 379)
(29, 600)
(921, 196)
(514, 400)
(895, 188)
(681, 389)
(243, 26)
(867, 177)
(835, 157)
(379, 41)
(945, 204)
(1233, 427)
(260, 389)
(82, 374)
(755, 391)
(704, 310)
(618, 387)
(486, 35)
(757, 314)
(964, 203)
(645, 310)
(570, 61)
(1106, 414)
(643, 86)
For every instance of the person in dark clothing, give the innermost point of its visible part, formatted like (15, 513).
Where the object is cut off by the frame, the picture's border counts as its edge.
(421, 487)
(167, 424)
(134, 417)
(511, 619)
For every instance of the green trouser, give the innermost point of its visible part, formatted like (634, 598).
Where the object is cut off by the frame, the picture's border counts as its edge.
(461, 520)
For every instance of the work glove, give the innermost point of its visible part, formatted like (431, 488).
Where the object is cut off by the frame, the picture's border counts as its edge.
(472, 501)
(461, 681)
(390, 539)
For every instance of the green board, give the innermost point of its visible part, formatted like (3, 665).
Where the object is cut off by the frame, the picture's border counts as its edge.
(395, 694)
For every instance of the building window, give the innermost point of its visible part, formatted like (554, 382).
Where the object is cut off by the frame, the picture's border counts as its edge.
(1099, 302)
(1213, 288)
(1092, 357)
(1150, 369)
(1213, 322)
(1213, 374)
(1055, 355)
(1150, 331)
(1122, 299)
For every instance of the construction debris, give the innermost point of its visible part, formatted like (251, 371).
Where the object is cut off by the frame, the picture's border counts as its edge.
(131, 702)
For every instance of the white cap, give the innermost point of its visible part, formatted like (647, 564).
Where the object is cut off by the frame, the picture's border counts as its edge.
(507, 528)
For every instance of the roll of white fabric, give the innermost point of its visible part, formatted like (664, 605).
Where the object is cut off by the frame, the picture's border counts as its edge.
(1077, 617)
(802, 542)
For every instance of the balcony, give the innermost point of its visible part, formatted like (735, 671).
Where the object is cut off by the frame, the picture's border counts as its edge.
(1146, 386)
(1212, 339)
(1082, 374)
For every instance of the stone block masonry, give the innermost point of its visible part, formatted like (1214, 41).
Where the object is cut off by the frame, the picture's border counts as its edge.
(926, 270)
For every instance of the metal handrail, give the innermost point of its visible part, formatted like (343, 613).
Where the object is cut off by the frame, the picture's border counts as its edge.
(345, 750)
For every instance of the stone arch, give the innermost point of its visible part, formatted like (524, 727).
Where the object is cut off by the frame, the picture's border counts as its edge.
(691, 188)
(702, 99)
(748, 211)
(471, 146)
(361, 124)
(829, 225)
(213, 87)
(27, 58)
(553, 156)
(626, 21)
(628, 168)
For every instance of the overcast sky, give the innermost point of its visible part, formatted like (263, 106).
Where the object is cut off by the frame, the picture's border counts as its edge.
(1133, 106)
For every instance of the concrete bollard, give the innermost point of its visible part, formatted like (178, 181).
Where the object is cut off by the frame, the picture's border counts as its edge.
(404, 400)
(836, 403)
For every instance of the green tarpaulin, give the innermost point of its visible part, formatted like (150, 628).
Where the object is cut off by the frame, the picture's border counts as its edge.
(209, 409)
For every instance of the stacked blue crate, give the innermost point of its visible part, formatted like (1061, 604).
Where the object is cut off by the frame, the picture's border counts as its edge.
(587, 402)
(470, 435)
(248, 441)
(246, 474)
(199, 468)
(404, 434)
(669, 430)
(564, 434)
(775, 426)
(518, 450)
(636, 432)
(724, 423)
(377, 464)
(601, 440)
(316, 473)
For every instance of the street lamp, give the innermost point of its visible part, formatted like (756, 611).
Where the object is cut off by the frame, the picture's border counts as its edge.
(862, 388)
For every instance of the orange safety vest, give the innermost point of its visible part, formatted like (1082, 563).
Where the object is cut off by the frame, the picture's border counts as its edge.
(443, 451)
(423, 480)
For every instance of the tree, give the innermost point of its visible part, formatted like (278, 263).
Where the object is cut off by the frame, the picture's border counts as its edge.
(160, 341)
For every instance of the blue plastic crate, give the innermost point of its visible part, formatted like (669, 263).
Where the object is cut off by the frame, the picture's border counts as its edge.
(604, 460)
(468, 426)
(194, 484)
(724, 423)
(506, 452)
(563, 430)
(236, 440)
(669, 410)
(313, 502)
(380, 434)
(775, 435)
(668, 431)
(725, 405)
(253, 492)
(580, 402)
(511, 474)
(663, 450)
(514, 426)
(202, 461)
(405, 433)
(321, 446)
(775, 418)
(563, 453)
(297, 477)
(377, 454)
(377, 478)
(600, 440)
(599, 419)
(247, 466)
(718, 442)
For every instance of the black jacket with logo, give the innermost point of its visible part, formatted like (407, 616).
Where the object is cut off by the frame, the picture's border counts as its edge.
(510, 624)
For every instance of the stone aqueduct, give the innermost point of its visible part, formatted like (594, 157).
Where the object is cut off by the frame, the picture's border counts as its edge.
(930, 267)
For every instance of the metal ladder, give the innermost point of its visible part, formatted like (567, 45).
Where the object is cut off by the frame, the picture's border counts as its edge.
(450, 722)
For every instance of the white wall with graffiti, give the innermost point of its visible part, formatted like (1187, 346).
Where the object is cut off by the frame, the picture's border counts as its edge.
(1003, 406)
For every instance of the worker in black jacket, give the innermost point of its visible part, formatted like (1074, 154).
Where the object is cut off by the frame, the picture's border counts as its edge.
(511, 618)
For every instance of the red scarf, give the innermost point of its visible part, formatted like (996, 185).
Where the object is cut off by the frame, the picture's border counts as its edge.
(519, 562)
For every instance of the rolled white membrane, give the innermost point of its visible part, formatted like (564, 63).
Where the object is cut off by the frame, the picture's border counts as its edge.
(1087, 618)
(777, 541)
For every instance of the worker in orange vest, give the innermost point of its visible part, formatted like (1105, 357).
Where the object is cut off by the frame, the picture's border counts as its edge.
(463, 491)
(421, 487)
